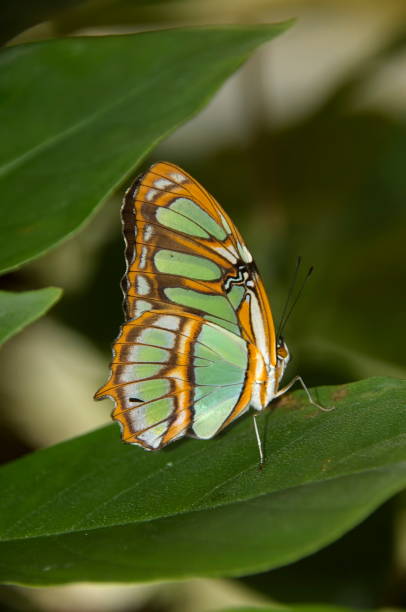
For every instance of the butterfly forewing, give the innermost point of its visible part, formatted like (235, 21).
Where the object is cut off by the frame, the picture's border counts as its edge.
(199, 333)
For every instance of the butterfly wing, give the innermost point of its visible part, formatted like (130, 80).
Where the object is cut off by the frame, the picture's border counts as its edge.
(199, 329)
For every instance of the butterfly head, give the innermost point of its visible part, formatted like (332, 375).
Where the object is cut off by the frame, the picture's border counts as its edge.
(282, 360)
(282, 351)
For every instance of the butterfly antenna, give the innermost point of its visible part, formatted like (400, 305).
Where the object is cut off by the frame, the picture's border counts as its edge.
(290, 292)
(299, 293)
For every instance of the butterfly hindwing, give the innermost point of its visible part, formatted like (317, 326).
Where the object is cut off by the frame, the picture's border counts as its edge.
(186, 359)
(173, 372)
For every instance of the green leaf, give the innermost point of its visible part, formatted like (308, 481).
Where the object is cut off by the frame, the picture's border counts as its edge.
(95, 509)
(81, 113)
(17, 310)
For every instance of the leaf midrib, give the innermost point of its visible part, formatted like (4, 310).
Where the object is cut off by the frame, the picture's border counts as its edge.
(309, 431)
(191, 510)
(75, 127)
(310, 481)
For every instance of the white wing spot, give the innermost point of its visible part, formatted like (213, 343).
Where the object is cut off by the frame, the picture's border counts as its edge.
(143, 286)
(148, 232)
(178, 177)
(141, 306)
(151, 194)
(143, 258)
(162, 183)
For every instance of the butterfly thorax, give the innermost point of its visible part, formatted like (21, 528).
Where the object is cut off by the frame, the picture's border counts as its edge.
(267, 378)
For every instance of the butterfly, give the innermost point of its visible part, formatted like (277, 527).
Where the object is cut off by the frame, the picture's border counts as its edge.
(198, 347)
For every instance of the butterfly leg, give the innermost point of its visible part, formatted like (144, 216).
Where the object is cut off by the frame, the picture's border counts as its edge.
(300, 380)
(259, 442)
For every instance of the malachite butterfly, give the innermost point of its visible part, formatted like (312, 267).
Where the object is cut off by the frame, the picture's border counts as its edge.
(198, 346)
